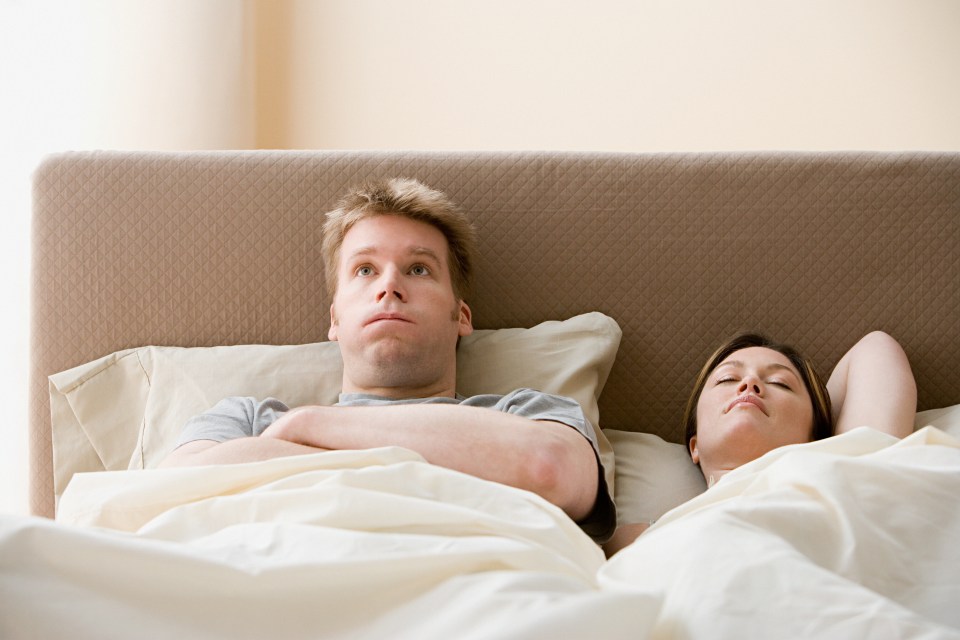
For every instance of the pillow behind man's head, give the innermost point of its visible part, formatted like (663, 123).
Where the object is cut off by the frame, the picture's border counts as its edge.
(126, 409)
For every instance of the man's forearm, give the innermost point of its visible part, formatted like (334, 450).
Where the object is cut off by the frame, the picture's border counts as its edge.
(204, 452)
(549, 458)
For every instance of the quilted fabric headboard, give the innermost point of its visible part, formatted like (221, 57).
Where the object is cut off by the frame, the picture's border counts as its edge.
(209, 248)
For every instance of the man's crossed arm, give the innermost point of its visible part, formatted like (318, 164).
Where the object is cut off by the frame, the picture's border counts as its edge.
(549, 458)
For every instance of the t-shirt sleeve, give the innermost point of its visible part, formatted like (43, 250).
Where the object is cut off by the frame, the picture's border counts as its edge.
(601, 522)
(537, 405)
(232, 418)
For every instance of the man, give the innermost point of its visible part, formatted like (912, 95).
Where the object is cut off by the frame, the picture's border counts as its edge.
(398, 260)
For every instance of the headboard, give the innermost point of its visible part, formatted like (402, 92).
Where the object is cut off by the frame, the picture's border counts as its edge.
(208, 248)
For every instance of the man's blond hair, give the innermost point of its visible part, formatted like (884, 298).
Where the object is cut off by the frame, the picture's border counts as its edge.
(410, 199)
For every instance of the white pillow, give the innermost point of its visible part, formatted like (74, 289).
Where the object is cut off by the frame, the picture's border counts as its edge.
(126, 409)
(652, 476)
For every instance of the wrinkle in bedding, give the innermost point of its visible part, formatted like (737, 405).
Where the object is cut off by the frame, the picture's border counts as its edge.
(849, 537)
(335, 544)
(854, 536)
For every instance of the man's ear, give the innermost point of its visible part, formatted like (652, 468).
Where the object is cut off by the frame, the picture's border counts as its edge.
(465, 320)
(332, 332)
(694, 452)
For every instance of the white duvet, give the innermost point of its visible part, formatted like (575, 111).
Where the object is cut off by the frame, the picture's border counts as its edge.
(857, 536)
(853, 537)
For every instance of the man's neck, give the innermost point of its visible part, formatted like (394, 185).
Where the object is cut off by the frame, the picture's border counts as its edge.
(402, 393)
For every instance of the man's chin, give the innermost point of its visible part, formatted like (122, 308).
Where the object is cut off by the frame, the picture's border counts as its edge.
(389, 352)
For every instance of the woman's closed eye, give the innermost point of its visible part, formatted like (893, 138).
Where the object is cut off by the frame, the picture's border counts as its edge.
(774, 382)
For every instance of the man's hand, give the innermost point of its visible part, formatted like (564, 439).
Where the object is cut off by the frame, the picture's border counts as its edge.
(204, 452)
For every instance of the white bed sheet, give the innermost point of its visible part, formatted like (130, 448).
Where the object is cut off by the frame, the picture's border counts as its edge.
(851, 537)
(856, 536)
(358, 544)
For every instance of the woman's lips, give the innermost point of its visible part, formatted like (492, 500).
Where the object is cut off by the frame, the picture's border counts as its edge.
(750, 400)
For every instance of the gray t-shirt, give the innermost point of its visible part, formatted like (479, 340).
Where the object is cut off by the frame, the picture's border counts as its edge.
(239, 417)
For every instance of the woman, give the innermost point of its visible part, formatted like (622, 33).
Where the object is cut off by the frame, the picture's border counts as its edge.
(754, 395)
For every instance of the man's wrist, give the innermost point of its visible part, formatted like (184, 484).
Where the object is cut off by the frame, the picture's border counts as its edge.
(299, 425)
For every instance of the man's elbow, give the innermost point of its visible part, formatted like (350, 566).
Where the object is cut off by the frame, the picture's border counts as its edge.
(186, 454)
(566, 474)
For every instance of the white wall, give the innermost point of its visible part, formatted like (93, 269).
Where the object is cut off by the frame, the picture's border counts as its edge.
(630, 75)
(121, 74)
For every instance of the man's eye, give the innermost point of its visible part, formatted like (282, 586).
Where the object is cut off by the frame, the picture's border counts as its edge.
(365, 271)
(419, 270)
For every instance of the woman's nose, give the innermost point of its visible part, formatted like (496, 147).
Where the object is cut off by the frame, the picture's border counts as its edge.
(750, 384)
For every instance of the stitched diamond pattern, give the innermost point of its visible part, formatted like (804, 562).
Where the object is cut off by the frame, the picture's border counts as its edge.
(208, 248)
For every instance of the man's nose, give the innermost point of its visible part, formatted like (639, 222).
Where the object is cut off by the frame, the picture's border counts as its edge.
(391, 285)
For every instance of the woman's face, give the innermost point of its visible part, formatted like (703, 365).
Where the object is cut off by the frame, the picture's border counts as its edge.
(753, 402)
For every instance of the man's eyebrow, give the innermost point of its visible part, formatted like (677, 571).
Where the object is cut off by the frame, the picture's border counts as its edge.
(426, 251)
(418, 251)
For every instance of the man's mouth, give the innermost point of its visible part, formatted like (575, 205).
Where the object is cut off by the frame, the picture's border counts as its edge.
(388, 317)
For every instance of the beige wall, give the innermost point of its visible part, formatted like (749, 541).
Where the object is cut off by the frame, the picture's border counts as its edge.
(107, 74)
(137, 74)
(628, 75)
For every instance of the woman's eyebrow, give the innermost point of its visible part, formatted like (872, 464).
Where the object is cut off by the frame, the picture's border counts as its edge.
(729, 363)
(778, 366)
(767, 367)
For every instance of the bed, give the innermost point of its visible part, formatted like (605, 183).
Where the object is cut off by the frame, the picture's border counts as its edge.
(165, 281)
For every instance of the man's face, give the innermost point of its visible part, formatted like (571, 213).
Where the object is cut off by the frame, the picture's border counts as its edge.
(394, 313)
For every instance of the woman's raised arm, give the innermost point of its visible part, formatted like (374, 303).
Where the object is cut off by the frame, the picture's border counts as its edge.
(873, 386)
